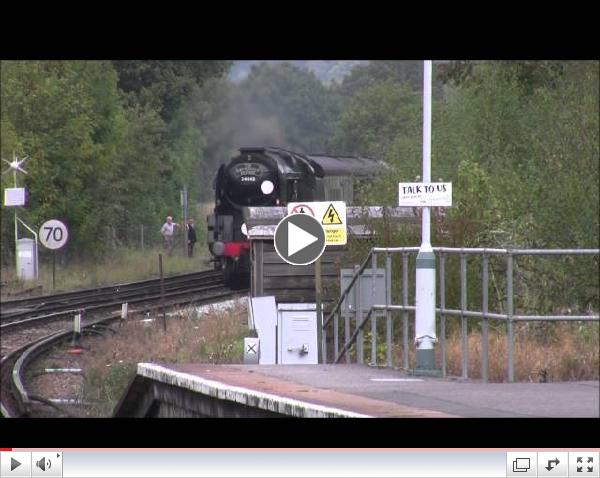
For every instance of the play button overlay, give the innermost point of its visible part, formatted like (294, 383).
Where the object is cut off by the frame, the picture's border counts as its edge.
(14, 463)
(299, 239)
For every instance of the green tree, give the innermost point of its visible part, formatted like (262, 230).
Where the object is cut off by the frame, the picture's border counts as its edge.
(382, 121)
(409, 73)
(166, 84)
(64, 114)
(100, 156)
(171, 88)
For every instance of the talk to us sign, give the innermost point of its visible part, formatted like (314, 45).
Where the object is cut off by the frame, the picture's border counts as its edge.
(424, 194)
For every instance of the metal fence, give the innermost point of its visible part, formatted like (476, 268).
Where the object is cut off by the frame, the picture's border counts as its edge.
(143, 236)
(138, 236)
(509, 316)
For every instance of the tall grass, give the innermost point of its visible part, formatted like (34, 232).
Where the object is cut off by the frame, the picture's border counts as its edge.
(216, 337)
(123, 265)
(541, 353)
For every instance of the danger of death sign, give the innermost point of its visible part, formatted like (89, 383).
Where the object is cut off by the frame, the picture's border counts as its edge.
(331, 215)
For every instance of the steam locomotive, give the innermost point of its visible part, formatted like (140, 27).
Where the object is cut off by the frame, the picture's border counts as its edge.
(273, 177)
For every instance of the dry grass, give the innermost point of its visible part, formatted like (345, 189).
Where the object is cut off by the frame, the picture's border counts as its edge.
(542, 352)
(125, 265)
(215, 337)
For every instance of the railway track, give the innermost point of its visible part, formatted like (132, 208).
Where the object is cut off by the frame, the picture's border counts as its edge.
(30, 328)
(17, 309)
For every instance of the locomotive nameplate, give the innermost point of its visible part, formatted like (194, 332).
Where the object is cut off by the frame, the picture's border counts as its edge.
(249, 172)
(331, 215)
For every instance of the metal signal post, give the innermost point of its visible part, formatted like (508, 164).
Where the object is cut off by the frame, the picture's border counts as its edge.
(16, 201)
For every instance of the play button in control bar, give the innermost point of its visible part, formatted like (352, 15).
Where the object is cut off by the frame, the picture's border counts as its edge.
(15, 464)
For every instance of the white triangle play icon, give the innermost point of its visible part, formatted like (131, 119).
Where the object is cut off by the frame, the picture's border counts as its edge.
(298, 239)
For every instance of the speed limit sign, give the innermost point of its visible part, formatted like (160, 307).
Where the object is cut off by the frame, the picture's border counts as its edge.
(54, 234)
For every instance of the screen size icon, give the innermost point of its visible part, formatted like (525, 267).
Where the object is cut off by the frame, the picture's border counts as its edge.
(521, 465)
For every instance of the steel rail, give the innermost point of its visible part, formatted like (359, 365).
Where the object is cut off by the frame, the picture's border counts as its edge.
(65, 297)
(133, 298)
(25, 354)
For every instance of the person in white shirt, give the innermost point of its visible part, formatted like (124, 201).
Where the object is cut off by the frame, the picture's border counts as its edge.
(168, 231)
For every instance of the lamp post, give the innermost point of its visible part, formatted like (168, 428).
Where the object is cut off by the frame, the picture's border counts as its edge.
(425, 336)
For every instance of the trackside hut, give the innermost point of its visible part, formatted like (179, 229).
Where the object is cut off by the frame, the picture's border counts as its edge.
(270, 275)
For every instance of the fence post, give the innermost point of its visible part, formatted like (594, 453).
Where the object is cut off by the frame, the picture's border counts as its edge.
(373, 315)
(388, 314)
(184, 207)
(113, 237)
(347, 331)
(484, 321)
(336, 340)
(321, 334)
(405, 313)
(162, 291)
(509, 313)
(442, 307)
(463, 319)
(347, 326)
(360, 358)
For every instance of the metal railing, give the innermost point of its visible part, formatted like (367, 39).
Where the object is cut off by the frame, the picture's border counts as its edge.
(509, 316)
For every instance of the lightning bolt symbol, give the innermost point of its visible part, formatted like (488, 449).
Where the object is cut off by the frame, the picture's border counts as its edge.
(331, 216)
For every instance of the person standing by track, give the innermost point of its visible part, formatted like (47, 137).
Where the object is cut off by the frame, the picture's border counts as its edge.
(168, 232)
(191, 236)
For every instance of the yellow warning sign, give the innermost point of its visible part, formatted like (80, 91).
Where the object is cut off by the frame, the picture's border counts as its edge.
(331, 216)
(335, 236)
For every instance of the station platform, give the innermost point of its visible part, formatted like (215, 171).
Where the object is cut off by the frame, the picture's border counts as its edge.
(338, 391)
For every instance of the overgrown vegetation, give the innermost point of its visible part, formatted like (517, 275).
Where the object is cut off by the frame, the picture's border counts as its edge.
(519, 141)
(548, 352)
(108, 144)
(212, 337)
(123, 265)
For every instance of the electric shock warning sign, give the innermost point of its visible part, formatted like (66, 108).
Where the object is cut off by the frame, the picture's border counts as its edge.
(331, 215)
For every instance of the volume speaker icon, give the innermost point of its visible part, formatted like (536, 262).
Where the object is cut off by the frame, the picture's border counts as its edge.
(43, 463)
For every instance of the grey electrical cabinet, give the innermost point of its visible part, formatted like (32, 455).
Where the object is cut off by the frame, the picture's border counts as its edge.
(371, 292)
(297, 334)
(27, 259)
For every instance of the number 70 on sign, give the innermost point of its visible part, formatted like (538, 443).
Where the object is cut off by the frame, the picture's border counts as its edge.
(54, 234)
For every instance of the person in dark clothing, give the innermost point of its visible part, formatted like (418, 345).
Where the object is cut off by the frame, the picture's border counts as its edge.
(191, 237)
